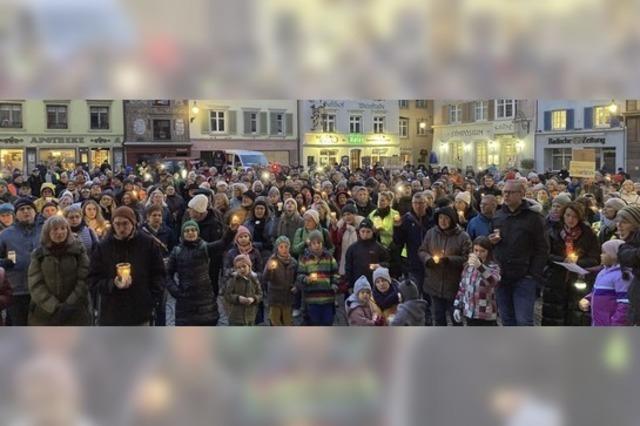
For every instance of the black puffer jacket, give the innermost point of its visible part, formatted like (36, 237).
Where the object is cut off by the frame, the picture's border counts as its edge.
(360, 255)
(134, 305)
(629, 256)
(560, 297)
(190, 284)
(212, 229)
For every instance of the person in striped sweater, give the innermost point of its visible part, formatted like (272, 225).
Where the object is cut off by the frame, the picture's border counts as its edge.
(318, 279)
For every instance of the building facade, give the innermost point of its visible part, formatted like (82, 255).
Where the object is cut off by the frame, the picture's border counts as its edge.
(564, 126)
(355, 132)
(632, 124)
(483, 133)
(60, 132)
(156, 129)
(270, 126)
(415, 130)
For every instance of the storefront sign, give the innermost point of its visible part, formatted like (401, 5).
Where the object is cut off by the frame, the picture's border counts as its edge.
(58, 139)
(582, 169)
(356, 138)
(370, 105)
(11, 140)
(579, 140)
(485, 131)
(503, 127)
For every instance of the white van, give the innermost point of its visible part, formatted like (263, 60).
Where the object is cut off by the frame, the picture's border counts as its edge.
(246, 159)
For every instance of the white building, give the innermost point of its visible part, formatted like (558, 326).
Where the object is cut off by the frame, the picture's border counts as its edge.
(270, 126)
(565, 125)
(361, 132)
(482, 133)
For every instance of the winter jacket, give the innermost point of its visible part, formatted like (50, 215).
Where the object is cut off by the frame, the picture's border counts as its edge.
(609, 299)
(280, 280)
(238, 285)
(302, 235)
(133, 305)
(560, 297)
(22, 240)
(476, 296)
(212, 229)
(629, 257)
(189, 283)
(387, 302)
(322, 289)
(359, 313)
(165, 235)
(365, 210)
(523, 249)
(288, 225)
(5, 293)
(257, 265)
(343, 236)
(480, 225)
(384, 226)
(410, 313)
(87, 237)
(360, 256)
(410, 234)
(263, 232)
(452, 246)
(57, 278)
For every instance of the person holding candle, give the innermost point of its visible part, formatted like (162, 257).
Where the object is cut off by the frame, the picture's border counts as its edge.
(365, 255)
(607, 226)
(58, 278)
(243, 293)
(279, 276)
(92, 215)
(386, 293)
(311, 223)
(290, 220)
(127, 301)
(384, 218)
(464, 208)
(262, 226)
(360, 308)
(572, 242)
(318, 279)
(444, 251)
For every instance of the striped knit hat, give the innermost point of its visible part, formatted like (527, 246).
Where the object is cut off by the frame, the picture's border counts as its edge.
(630, 214)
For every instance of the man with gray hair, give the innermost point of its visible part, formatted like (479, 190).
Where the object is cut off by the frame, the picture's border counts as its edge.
(522, 250)
(482, 224)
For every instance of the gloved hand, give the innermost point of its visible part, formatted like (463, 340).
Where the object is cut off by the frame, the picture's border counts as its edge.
(7, 264)
(457, 316)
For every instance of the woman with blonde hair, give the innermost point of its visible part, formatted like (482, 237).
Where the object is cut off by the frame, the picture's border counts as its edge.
(58, 278)
(92, 214)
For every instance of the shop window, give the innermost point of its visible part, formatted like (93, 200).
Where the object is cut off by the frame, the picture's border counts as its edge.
(99, 117)
(57, 117)
(602, 116)
(560, 158)
(162, 130)
(354, 158)
(509, 154)
(559, 119)
(11, 116)
(65, 158)
(355, 124)
(404, 127)
(328, 123)
(378, 124)
(481, 155)
(99, 156)
(216, 120)
(328, 157)
(458, 154)
(11, 159)
(505, 108)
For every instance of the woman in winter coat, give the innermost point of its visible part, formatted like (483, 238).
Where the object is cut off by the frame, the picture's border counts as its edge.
(383, 218)
(444, 251)
(628, 193)
(572, 241)
(344, 234)
(5, 294)
(73, 215)
(280, 278)
(261, 225)
(92, 214)
(607, 226)
(290, 220)
(476, 298)
(188, 277)
(58, 278)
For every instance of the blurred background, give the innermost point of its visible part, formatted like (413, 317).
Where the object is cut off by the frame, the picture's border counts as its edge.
(318, 48)
(316, 376)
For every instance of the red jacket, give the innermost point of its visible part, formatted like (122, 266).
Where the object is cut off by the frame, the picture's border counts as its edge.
(5, 293)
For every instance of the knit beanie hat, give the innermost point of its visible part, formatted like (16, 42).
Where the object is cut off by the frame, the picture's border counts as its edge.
(464, 196)
(242, 230)
(616, 203)
(611, 247)
(630, 214)
(349, 208)
(242, 259)
(6, 208)
(313, 215)
(291, 201)
(381, 273)
(48, 185)
(199, 203)
(408, 290)
(24, 201)
(366, 223)
(190, 224)
(315, 235)
(562, 199)
(250, 194)
(282, 239)
(125, 212)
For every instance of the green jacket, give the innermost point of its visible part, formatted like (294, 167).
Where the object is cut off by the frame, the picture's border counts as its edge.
(240, 314)
(54, 280)
(300, 240)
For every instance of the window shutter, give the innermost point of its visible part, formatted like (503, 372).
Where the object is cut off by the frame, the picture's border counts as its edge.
(588, 118)
(466, 112)
(205, 121)
(263, 123)
(547, 121)
(289, 124)
(445, 114)
(246, 120)
(491, 110)
(272, 124)
(232, 129)
(569, 119)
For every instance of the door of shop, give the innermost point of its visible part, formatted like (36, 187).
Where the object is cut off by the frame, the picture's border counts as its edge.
(355, 158)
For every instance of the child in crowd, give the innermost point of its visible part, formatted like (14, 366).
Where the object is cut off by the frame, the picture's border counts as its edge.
(386, 293)
(243, 293)
(476, 298)
(608, 302)
(413, 310)
(360, 307)
(280, 275)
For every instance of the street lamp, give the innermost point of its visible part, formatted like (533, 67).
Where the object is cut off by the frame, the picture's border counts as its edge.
(613, 107)
(423, 125)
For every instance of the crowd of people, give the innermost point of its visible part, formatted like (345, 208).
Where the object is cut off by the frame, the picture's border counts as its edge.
(326, 246)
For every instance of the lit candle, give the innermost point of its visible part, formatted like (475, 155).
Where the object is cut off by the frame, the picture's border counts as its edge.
(496, 232)
(396, 218)
(59, 213)
(303, 209)
(273, 264)
(436, 258)
(235, 219)
(313, 276)
(333, 215)
(11, 255)
(124, 271)
(573, 256)
(280, 206)
(372, 266)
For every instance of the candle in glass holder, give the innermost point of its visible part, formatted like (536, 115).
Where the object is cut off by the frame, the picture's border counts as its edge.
(573, 256)
(303, 209)
(235, 219)
(460, 214)
(124, 271)
(11, 255)
(280, 206)
(333, 215)
(313, 276)
(372, 266)
(436, 258)
(273, 264)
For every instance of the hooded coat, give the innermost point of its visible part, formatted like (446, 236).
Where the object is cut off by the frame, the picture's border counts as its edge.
(359, 313)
